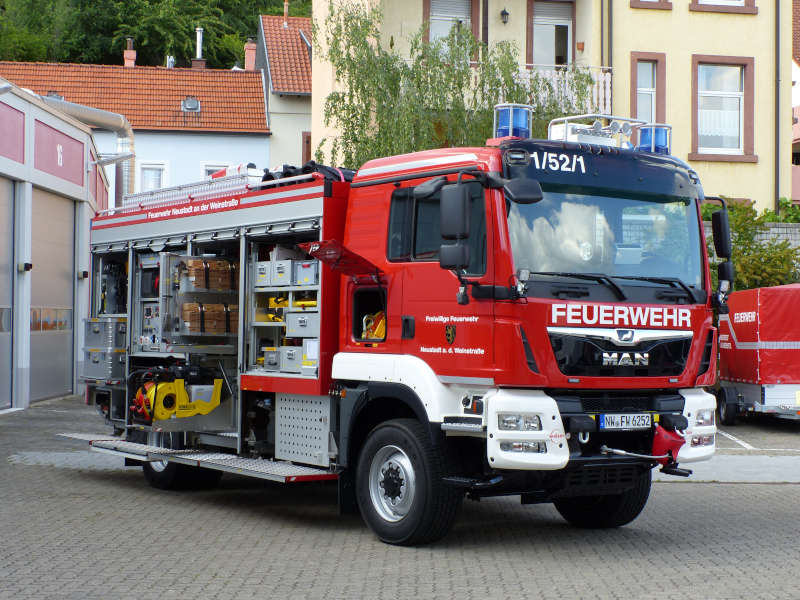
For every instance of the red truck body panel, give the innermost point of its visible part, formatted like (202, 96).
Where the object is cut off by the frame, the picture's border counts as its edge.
(760, 337)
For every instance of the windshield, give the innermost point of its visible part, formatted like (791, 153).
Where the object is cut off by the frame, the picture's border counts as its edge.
(574, 232)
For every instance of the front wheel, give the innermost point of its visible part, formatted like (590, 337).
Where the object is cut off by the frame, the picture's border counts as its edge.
(399, 485)
(602, 512)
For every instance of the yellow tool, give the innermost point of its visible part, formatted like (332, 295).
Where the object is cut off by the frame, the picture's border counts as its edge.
(374, 326)
(170, 398)
(278, 302)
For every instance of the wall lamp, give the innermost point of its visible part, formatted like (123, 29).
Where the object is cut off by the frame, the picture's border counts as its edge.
(504, 16)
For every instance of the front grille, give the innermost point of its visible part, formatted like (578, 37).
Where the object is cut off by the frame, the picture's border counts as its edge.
(583, 356)
(616, 401)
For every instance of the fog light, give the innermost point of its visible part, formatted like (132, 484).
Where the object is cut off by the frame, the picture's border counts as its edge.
(704, 417)
(518, 422)
(702, 440)
(523, 446)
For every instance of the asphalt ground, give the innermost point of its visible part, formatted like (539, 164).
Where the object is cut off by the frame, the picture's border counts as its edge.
(76, 524)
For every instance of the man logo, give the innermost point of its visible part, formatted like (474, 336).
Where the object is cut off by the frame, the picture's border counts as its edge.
(450, 333)
(625, 335)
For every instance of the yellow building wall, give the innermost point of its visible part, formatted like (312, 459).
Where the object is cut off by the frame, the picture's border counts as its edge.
(680, 33)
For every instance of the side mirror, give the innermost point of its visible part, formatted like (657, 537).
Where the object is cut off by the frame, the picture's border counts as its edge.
(454, 206)
(454, 257)
(725, 276)
(722, 233)
(523, 191)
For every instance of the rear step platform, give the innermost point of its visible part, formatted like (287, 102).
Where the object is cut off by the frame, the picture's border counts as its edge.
(281, 471)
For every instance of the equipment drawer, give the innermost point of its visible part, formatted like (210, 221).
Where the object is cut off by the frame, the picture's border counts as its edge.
(291, 359)
(302, 325)
(104, 364)
(105, 332)
(281, 272)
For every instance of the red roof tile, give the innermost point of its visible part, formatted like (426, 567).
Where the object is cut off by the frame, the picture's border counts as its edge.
(150, 97)
(287, 54)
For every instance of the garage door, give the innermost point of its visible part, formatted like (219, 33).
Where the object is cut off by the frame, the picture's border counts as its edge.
(52, 279)
(6, 291)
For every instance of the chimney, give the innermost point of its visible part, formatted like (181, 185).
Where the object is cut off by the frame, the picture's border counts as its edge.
(250, 55)
(198, 62)
(129, 55)
(285, 14)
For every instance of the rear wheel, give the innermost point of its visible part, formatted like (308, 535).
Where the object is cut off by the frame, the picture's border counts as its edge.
(399, 485)
(166, 475)
(726, 406)
(602, 512)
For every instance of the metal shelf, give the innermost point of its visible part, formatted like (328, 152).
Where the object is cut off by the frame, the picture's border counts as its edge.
(287, 288)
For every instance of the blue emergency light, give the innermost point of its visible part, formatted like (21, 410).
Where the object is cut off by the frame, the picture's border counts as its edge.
(513, 120)
(654, 138)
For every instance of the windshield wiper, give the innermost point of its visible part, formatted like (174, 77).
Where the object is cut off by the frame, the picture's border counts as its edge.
(673, 281)
(598, 277)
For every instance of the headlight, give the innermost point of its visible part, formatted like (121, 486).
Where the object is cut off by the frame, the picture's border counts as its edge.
(518, 422)
(523, 446)
(704, 417)
(702, 440)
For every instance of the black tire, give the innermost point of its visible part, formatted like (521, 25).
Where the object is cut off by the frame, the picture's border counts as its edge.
(726, 406)
(603, 512)
(172, 476)
(399, 454)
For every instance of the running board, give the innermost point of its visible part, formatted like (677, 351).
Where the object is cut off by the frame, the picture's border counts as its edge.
(280, 471)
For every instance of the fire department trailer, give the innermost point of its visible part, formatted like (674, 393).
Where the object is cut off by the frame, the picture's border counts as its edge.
(759, 352)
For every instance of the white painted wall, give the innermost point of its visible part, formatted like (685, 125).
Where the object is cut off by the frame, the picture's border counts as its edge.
(289, 117)
(184, 155)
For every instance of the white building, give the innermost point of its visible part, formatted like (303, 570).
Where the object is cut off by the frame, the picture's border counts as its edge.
(186, 122)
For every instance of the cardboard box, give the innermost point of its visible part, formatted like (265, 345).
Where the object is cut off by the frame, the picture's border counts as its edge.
(210, 318)
(213, 273)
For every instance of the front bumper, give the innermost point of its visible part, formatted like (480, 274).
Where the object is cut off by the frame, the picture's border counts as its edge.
(553, 439)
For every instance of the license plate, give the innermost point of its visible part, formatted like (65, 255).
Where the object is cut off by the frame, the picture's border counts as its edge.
(626, 421)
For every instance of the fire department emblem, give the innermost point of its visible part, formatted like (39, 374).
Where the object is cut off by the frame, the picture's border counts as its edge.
(450, 333)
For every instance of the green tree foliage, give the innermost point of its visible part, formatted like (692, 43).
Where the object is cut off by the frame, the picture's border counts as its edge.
(442, 94)
(758, 259)
(94, 31)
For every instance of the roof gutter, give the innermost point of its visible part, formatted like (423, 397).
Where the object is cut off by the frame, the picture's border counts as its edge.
(113, 122)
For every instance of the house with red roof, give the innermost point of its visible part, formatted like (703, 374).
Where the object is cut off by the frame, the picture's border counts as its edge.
(187, 123)
(283, 54)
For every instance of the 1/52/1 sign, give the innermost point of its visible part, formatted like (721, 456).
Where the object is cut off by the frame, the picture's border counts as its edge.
(551, 161)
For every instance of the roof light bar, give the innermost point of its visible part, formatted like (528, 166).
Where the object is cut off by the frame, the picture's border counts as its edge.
(610, 130)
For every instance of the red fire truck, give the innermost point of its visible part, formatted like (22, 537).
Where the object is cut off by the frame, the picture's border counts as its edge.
(759, 351)
(529, 318)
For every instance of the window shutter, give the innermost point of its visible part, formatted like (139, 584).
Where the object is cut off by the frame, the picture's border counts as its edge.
(559, 11)
(458, 10)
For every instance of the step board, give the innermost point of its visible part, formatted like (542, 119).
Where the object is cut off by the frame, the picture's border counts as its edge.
(283, 472)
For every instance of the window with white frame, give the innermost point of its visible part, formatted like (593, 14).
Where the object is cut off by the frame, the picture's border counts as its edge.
(720, 108)
(722, 2)
(209, 169)
(646, 90)
(552, 33)
(446, 13)
(152, 176)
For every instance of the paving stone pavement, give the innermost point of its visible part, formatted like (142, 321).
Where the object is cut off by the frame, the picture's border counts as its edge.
(75, 524)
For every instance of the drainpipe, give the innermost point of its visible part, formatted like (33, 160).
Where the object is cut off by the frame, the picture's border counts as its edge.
(124, 176)
(611, 49)
(777, 106)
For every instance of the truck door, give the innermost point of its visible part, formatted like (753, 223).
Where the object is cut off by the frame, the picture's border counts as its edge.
(456, 340)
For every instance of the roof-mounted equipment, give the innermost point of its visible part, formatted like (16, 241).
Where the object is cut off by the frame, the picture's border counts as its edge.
(609, 130)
